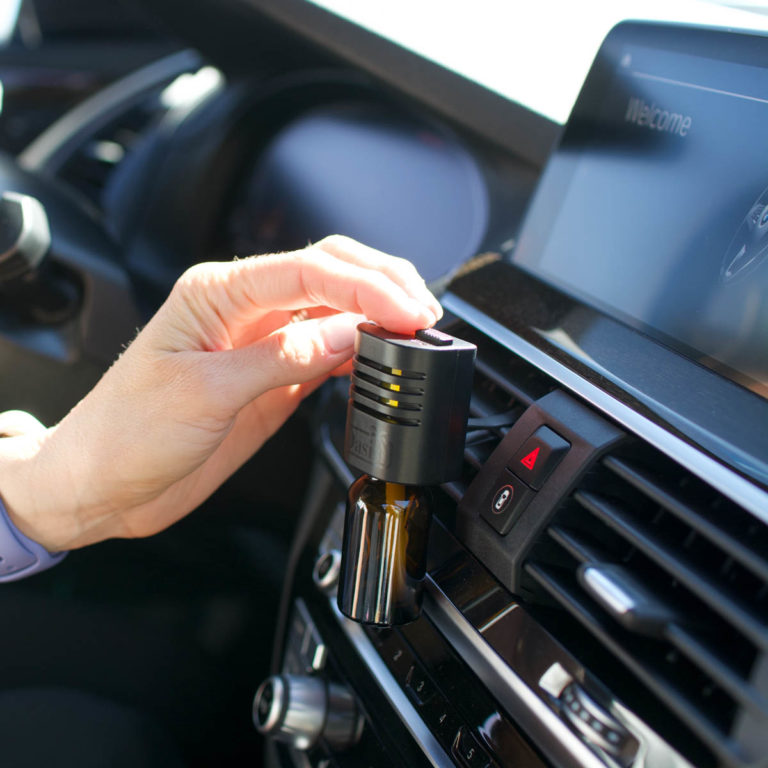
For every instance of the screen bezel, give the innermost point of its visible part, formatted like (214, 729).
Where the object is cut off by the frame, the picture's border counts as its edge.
(577, 141)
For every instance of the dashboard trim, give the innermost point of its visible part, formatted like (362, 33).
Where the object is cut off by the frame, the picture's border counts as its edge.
(394, 694)
(542, 725)
(731, 484)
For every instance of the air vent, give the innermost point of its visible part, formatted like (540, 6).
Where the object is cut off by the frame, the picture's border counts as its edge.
(504, 386)
(115, 122)
(90, 166)
(647, 570)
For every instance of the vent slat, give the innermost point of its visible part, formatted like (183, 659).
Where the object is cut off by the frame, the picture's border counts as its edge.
(723, 675)
(574, 545)
(488, 399)
(670, 561)
(678, 636)
(492, 395)
(631, 651)
(515, 392)
(644, 483)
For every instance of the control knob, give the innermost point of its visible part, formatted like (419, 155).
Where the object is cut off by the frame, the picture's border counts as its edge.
(326, 571)
(299, 710)
(29, 284)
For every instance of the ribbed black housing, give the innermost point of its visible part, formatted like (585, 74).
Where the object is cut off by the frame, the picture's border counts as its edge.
(703, 681)
(408, 407)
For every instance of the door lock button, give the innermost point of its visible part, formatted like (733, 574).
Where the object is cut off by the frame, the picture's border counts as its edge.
(505, 503)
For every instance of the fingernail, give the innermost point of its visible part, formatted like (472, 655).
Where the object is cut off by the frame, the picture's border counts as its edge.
(430, 315)
(425, 296)
(338, 331)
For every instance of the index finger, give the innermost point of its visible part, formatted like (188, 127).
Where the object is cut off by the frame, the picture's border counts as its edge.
(244, 290)
(402, 271)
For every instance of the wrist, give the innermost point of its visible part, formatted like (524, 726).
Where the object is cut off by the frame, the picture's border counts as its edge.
(35, 497)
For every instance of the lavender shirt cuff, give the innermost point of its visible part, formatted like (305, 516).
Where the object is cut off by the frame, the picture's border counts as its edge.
(19, 555)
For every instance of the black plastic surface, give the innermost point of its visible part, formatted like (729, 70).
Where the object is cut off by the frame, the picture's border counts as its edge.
(408, 407)
(588, 436)
(457, 709)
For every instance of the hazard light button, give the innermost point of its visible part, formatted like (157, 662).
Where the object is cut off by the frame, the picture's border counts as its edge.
(538, 456)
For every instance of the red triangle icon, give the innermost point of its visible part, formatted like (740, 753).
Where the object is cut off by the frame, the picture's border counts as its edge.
(529, 461)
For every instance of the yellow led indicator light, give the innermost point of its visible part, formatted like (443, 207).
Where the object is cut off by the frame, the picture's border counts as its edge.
(393, 403)
(397, 372)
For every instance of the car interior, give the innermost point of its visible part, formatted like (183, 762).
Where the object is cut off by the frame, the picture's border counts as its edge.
(594, 585)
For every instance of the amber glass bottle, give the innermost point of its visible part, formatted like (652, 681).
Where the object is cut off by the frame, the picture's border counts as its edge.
(406, 420)
(385, 546)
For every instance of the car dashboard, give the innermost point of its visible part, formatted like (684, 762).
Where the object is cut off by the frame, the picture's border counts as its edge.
(596, 591)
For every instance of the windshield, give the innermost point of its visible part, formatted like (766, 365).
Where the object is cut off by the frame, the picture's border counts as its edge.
(535, 53)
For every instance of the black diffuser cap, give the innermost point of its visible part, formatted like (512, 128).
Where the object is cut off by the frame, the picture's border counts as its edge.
(408, 405)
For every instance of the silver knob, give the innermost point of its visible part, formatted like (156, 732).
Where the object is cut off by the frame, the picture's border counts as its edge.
(24, 234)
(326, 571)
(299, 710)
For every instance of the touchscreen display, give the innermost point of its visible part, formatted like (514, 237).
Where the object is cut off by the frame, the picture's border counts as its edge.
(655, 207)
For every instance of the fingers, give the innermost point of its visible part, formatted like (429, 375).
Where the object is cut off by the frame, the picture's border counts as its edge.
(316, 278)
(295, 354)
(14, 423)
(221, 298)
(399, 270)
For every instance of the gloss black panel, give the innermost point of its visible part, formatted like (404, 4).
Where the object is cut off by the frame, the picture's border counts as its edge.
(654, 207)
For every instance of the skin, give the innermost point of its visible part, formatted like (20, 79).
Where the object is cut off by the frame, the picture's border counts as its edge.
(217, 370)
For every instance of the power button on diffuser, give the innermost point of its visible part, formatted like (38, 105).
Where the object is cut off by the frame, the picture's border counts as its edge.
(434, 337)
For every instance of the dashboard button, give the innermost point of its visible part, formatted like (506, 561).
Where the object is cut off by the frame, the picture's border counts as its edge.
(504, 504)
(596, 724)
(442, 720)
(469, 752)
(398, 657)
(316, 653)
(420, 687)
(538, 457)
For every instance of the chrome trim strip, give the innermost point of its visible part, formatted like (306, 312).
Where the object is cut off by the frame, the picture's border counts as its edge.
(551, 735)
(395, 695)
(736, 487)
(498, 617)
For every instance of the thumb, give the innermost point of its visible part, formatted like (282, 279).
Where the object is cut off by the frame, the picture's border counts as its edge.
(294, 354)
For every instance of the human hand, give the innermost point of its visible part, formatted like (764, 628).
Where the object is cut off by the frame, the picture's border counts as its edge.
(214, 374)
